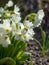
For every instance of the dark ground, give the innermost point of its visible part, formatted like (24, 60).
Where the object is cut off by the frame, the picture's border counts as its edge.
(36, 57)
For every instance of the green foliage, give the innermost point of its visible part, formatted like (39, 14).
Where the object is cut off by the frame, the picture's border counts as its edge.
(31, 63)
(31, 17)
(14, 54)
(7, 60)
(45, 42)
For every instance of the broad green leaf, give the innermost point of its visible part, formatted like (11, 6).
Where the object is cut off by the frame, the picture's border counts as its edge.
(7, 60)
(25, 56)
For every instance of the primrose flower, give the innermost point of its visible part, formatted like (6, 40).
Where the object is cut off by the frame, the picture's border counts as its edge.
(4, 40)
(10, 3)
(11, 25)
(2, 30)
(6, 26)
(28, 24)
(15, 18)
(21, 25)
(31, 32)
(27, 37)
(1, 11)
(39, 18)
(16, 10)
(18, 35)
(24, 34)
(40, 14)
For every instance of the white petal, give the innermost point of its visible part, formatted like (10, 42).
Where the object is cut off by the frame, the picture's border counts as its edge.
(16, 9)
(6, 42)
(10, 3)
(40, 14)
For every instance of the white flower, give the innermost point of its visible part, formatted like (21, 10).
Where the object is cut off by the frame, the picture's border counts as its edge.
(13, 25)
(4, 40)
(31, 32)
(40, 14)
(6, 26)
(16, 10)
(23, 33)
(10, 3)
(2, 30)
(6, 20)
(28, 24)
(16, 18)
(1, 11)
(27, 37)
(19, 32)
(38, 18)
(37, 22)
(21, 25)
(18, 35)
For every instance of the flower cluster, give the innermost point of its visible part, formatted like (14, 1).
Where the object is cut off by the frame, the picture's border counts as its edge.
(38, 18)
(11, 25)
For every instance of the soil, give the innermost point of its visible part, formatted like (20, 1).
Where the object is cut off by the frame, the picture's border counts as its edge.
(36, 57)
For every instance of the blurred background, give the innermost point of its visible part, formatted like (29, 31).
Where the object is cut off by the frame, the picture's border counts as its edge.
(26, 6)
(31, 6)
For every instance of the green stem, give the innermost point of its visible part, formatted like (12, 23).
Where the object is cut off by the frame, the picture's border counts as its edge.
(43, 39)
(38, 43)
(43, 51)
(42, 47)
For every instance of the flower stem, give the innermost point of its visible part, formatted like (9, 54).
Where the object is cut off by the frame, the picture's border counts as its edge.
(38, 43)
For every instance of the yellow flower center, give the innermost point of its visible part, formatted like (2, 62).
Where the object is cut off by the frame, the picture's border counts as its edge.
(19, 35)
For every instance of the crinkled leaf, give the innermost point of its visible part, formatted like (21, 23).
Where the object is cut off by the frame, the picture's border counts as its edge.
(8, 61)
(25, 56)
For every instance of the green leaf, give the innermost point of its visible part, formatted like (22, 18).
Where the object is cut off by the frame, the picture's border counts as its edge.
(25, 56)
(31, 17)
(8, 61)
(1, 51)
(43, 35)
(20, 49)
(43, 41)
(31, 63)
(15, 51)
(47, 43)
